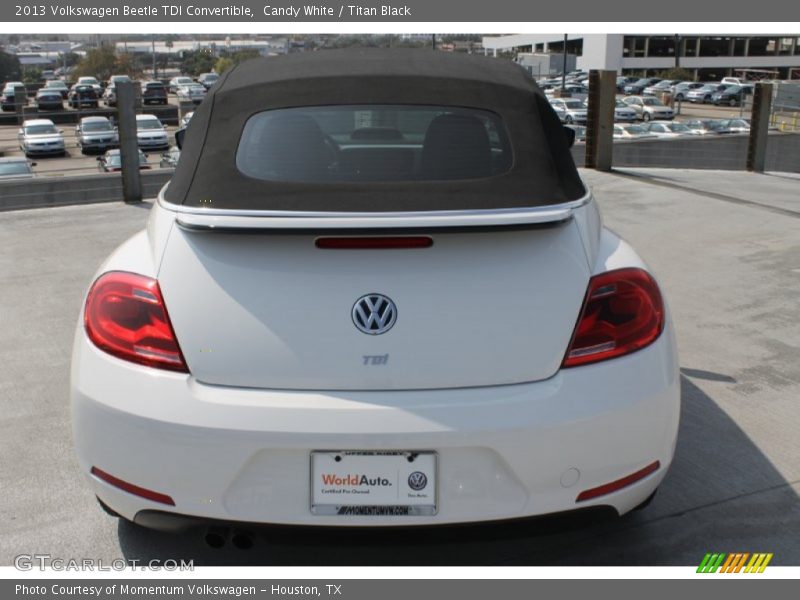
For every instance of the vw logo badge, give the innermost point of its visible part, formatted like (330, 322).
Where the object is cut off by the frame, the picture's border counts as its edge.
(374, 314)
(417, 481)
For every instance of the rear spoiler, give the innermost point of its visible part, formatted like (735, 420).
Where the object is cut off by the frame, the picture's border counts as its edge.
(242, 221)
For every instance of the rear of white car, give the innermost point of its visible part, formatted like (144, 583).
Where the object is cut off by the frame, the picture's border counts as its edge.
(385, 367)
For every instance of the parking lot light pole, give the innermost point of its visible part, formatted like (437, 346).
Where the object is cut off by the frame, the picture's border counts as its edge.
(128, 143)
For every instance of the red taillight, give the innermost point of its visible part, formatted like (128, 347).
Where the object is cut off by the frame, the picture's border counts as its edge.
(125, 316)
(623, 312)
(608, 488)
(374, 243)
(132, 489)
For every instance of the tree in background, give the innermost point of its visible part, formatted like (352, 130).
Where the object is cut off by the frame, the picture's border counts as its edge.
(228, 60)
(99, 62)
(9, 67)
(677, 73)
(195, 62)
(32, 75)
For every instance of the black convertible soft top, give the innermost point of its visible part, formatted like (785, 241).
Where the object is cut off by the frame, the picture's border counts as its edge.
(543, 172)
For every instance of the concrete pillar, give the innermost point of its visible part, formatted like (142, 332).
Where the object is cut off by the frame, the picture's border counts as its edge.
(759, 127)
(600, 124)
(128, 144)
(20, 102)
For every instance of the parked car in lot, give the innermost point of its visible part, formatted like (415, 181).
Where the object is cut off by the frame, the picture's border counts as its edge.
(153, 92)
(40, 137)
(83, 96)
(733, 95)
(735, 125)
(186, 118)
(649, 108)
(96, 133)
(734, 80)
(705, 93)
(151, 133)
(177, 82)
(191, 93)
(706, 126)
(169, 159)
(679, 90)
(207, 80)
(15, 167)
(449, 330)
(59, 86)
(111, 161)
(7, 101)
(665, 85)
(669, 129)
(623, 81)
(637, 87)
(624, 113)
(631, 132)
(92, 81)
(110, 93)
(574, 110)
(49, 100)
(574, 91)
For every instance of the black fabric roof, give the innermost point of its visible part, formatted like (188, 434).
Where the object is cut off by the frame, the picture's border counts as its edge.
(543, 172)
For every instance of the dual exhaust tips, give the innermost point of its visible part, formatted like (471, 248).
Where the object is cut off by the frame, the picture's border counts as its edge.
(218, 537)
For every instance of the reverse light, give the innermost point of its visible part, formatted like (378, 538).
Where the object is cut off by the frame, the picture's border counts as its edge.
(623, 312)
(125, 316)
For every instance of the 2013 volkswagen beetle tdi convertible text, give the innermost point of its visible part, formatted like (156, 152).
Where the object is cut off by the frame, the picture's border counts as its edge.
(375, 292)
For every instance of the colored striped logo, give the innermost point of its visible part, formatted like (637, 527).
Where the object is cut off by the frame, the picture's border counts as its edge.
(734, 563)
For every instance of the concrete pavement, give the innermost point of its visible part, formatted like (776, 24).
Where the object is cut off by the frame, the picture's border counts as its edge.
(725, 248)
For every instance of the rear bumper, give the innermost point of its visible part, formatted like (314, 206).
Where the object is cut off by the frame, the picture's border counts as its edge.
(242, 455)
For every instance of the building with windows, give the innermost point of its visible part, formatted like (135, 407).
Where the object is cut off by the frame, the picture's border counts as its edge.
(709, 57)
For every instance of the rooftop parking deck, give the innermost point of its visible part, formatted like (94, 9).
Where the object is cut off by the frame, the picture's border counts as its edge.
(726, 250)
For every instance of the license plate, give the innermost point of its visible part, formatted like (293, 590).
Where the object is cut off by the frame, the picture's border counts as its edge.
(390, 483)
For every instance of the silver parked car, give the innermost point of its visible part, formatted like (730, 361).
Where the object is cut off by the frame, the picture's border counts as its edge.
(150, 133)
(574, 110)
(15, 167)
(649, 108)
(96, 133)
(40, 136)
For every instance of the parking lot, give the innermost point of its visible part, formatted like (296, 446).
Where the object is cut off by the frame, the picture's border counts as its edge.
(75, 163)
(725, 247)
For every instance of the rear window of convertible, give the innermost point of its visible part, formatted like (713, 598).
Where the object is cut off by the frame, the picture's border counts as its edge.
(373, 143)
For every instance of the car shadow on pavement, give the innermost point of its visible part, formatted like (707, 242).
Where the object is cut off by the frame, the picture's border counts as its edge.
(721, 494)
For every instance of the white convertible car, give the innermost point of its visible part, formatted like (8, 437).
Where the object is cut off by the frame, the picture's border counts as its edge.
(376, 292)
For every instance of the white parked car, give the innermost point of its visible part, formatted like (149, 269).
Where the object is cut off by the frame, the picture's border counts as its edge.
(92, 81)
(40, 137)
(669, 129)
(191, 93)
(574, 110)
(333, 321)
(15, 167)
(649, 108)
(624, 113)
(632, 132)
(151, 133)
(186, 118)
(177, 82)
(96, 133)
